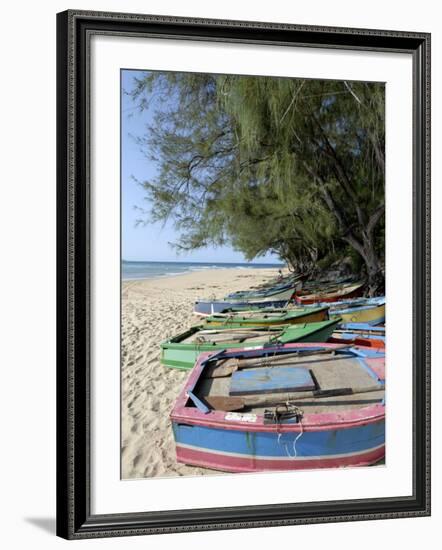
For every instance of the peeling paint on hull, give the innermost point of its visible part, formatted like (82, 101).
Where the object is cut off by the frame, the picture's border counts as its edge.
(249, 451)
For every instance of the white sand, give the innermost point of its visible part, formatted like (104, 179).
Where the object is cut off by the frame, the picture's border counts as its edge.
(153, 310)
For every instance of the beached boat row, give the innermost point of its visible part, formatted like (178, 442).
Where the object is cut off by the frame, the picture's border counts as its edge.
(364, 310)
(293, 292)
(289, 384)
(182, 351)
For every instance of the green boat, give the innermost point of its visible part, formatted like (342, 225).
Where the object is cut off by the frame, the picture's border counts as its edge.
(268, 317)
(180, 352)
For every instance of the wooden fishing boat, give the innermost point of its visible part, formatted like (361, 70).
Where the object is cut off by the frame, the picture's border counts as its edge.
(258, 294)
(291, 407)
(362, 334)
(277, 297)
(264, 307)
(180, 352)
(204, 308)
(284, 292)
(330, 295)
(268, 318)
(363, 327)
(370, 311)
(324, 286)
(357, 339)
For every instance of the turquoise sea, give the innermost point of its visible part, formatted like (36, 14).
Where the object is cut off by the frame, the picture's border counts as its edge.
(148, 270)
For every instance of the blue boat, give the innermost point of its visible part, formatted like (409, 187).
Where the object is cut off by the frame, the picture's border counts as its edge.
(208, 307)
(363, 327)
(273, 297)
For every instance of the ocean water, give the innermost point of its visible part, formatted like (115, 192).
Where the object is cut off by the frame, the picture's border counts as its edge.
(149, 270)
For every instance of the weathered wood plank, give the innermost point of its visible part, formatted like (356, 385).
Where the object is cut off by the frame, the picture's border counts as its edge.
(271, 380)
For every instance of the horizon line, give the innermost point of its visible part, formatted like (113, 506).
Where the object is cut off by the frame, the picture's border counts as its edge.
(200, 262)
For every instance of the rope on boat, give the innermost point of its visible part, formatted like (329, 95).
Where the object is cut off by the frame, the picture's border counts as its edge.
(290, 410)
(229, 319)
(298, 436)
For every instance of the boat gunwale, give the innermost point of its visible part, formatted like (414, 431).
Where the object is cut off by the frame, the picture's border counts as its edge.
(357, 302)
(311, 421)
(229, 304)
(289, 314)
(281, 329)
(273, 289)
(198, 328)
(282, 290)
(374, 343)
(362, 326)
(317, 297)
(348, 310)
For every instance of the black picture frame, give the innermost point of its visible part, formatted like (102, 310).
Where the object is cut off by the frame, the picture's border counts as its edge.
(74, 518)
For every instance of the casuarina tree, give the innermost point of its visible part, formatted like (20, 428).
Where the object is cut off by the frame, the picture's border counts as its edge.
(292, 166)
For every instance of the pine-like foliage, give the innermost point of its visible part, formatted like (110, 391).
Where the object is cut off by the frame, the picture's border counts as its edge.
(268, 164)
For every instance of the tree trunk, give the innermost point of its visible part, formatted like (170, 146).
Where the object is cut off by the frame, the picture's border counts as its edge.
(375, 278)
(366, 249)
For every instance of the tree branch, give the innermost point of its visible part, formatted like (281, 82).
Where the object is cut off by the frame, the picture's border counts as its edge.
(374, 218)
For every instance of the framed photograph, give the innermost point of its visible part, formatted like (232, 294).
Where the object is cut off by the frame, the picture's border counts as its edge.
(243, 262)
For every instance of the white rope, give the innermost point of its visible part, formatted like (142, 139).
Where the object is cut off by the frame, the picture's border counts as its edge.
(299, 413)
(298, 437)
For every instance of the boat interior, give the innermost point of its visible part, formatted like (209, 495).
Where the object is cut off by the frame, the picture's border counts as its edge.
(234, 335)
(310, 382)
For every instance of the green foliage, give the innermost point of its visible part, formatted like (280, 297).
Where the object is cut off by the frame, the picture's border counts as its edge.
(268, 164)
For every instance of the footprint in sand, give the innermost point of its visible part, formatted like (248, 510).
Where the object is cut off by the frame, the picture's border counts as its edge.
(136, 460)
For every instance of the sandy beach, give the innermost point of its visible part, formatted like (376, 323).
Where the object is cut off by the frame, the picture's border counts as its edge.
(153, 310)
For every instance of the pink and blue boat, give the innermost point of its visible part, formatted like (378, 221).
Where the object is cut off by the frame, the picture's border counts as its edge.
(292, 407)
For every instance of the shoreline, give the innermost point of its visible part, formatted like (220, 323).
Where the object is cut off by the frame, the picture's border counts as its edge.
(153, 310)
(203, 270)
(209, 278)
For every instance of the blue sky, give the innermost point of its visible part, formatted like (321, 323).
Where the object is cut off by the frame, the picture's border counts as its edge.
(150, 242)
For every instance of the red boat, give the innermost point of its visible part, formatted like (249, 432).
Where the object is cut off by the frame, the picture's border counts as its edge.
(358, 341)
(333, 295)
